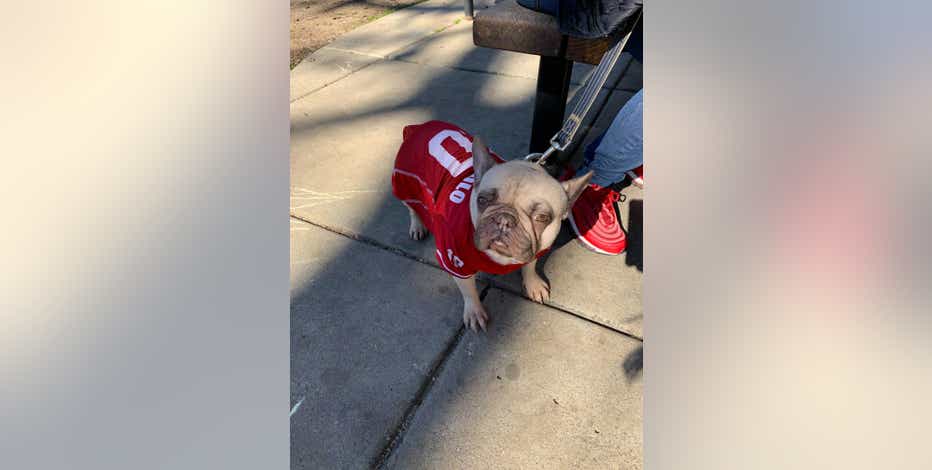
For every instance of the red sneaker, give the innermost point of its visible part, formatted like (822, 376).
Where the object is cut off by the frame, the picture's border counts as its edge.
(594, 219)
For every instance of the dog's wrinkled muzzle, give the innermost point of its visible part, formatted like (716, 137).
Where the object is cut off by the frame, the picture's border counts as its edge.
(501, 232)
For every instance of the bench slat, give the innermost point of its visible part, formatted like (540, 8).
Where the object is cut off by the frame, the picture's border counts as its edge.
(511, 27)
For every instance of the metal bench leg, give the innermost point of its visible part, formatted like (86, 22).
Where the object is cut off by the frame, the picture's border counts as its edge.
(553, 85)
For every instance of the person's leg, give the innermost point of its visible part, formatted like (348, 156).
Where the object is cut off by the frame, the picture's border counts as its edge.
(619, 149)
(594, 216)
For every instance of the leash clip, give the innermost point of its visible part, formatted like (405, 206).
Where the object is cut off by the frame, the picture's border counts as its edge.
(541, 158)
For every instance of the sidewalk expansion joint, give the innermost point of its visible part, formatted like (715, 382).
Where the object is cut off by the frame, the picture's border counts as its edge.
(325, 85)
(489, 281)
(368, 241)
(397, 436)
(379, 58)
(461, 69)
(395, 56)
(485, 290)
(364, 54)
(492, 283)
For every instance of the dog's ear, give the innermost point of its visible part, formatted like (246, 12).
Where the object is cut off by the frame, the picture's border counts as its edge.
(481, 158)
(574, 187)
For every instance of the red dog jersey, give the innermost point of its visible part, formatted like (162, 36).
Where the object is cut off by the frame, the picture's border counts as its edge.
(434, 176)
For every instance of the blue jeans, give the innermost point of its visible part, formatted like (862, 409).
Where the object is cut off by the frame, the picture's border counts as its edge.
(621, 148)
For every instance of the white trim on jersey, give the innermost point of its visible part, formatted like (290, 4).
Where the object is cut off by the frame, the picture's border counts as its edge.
(418, 178)
(443, 264)
(416, 201)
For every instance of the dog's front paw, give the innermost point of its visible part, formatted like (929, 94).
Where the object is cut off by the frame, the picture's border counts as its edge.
(475, 316)
(417, 230)
(536, 288)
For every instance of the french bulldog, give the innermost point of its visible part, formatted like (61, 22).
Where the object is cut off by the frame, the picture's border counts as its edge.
(486, 214)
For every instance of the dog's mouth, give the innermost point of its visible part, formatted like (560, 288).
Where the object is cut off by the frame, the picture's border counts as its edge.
(500, 247)
(499, 233)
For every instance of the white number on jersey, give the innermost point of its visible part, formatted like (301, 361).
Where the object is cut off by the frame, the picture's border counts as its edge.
(444, 158)
(454, 259)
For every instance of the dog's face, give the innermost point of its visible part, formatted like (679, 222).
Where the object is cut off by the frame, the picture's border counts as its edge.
(516, 207)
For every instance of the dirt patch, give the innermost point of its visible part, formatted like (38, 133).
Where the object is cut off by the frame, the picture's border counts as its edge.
(314, 23)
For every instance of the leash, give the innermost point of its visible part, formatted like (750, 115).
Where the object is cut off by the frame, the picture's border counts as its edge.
(562, 139)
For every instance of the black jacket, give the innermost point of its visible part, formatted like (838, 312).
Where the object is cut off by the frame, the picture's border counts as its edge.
(597, 18)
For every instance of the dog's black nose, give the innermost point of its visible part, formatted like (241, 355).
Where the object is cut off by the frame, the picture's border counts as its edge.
(505, 221)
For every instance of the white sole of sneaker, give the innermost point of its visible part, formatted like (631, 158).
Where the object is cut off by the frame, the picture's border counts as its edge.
(635, 179)
(586, 244)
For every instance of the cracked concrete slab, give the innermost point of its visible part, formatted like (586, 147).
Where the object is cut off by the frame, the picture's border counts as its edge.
(366, 327)
(541, 389)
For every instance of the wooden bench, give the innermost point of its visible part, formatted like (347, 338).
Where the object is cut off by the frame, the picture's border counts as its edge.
(512, 27)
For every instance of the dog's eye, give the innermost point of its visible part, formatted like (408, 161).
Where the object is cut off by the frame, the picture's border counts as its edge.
(543, 218)
(485, 198)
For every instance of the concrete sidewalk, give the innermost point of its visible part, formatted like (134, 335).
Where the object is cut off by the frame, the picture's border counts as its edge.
(383, 373)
